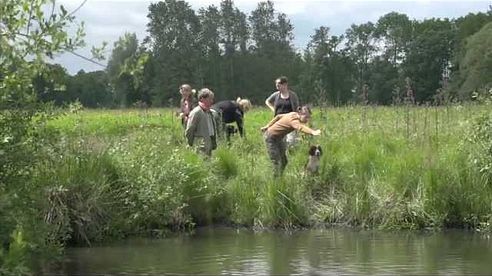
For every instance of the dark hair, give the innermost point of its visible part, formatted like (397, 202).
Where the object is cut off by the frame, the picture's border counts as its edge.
(282, 79)
(205, 93)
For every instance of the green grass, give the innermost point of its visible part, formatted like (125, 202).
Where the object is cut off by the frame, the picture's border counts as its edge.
(386, 167)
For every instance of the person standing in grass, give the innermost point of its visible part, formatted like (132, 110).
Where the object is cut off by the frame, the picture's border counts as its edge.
(200, 128)
(276, 130)
(283, 101)
(187, 103)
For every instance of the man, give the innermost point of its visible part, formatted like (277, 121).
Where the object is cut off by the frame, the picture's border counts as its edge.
(201, 129)
(278, 128)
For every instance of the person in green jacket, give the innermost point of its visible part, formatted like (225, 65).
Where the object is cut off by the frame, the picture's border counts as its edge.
(201, 129)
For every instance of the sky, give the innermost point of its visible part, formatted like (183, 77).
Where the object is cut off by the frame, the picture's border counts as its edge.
(108, 20)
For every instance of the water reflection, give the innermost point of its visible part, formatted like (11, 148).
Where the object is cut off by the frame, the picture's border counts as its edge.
(221, 251)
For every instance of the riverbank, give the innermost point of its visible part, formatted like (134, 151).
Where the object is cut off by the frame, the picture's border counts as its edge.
(400, 167)
(113, 174)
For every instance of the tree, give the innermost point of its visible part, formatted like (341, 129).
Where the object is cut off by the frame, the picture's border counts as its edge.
(429, 55)
(50, 85)
(327, 78)
(361, 46)
(210, 61)
(28, 34)
(125, 71)
(272, 51)
(272, 35)
(174, 42)
(474, 74)
(395, 30)
(466, 26)
(91, 89)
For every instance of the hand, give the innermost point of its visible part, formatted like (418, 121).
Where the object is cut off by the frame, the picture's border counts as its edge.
(181, 115)
(317, 132)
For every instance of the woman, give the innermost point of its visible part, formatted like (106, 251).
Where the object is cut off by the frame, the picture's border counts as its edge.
(230, 112)
(187, 103)
(283, 101)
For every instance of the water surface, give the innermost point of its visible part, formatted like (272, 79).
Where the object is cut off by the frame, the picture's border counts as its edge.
(225, 251)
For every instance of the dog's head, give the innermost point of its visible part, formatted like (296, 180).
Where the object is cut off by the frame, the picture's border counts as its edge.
(315, 151)
(231, 130)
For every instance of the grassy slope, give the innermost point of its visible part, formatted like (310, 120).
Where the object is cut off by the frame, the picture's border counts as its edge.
(382, 167)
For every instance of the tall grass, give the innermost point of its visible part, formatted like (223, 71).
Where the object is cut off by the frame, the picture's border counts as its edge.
(390, 167)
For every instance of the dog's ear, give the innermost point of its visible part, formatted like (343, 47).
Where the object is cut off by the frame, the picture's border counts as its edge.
(312, 149)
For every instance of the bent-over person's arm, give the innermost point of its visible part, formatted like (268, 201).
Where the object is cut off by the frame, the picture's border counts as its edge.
(297, 125)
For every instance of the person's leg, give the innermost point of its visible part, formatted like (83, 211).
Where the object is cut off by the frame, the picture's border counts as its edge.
(273, 148)
(205, 146)
(282, 154)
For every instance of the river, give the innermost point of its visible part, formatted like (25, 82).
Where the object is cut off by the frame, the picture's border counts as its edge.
(333, 251)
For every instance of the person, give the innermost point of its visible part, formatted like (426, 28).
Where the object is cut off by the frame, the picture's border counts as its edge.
(283, 101)
(230, 112)
(200, 128)
(278, 128)
(187, 103)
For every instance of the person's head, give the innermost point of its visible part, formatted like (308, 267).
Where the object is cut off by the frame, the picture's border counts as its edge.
(244, 104)
(185, 90)
(304, 113)
(281, 83)
(206, 96)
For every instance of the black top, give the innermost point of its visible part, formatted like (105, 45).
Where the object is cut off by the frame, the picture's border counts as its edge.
(283, 106)
(230, 113)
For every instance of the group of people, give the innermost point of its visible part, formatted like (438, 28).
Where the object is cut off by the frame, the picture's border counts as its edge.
(204, 121)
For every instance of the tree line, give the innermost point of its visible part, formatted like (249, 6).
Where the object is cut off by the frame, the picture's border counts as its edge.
(393, 60)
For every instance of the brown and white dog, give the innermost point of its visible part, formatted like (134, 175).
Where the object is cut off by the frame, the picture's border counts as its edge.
(313, 163)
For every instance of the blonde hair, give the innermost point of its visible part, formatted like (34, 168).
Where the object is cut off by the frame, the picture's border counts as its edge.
(244, 104)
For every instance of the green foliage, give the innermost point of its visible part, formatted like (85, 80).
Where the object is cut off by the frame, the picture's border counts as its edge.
(15, 260)
(476, 63)
(126, 71)
(429, 54)
(235, 54)
(227, 163)
(28, 35)
(481, 141)
(80, 192)
(90, 89)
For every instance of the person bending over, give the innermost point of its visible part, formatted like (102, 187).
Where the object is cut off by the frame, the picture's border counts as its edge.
(278, 128)
(232, 112)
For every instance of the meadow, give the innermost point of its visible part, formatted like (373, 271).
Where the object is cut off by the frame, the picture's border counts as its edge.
(115, 173)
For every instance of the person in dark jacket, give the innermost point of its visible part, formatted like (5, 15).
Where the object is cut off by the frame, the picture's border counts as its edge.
(232, 112)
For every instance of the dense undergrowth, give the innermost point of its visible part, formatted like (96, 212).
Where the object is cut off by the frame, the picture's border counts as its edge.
(113, 174)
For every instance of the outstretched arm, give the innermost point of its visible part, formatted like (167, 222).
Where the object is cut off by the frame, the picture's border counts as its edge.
(303, 128)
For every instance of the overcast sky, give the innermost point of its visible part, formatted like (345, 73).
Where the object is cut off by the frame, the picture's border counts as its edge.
(107, 20)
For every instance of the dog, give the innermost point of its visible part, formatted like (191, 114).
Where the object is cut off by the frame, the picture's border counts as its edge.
(313, 163)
